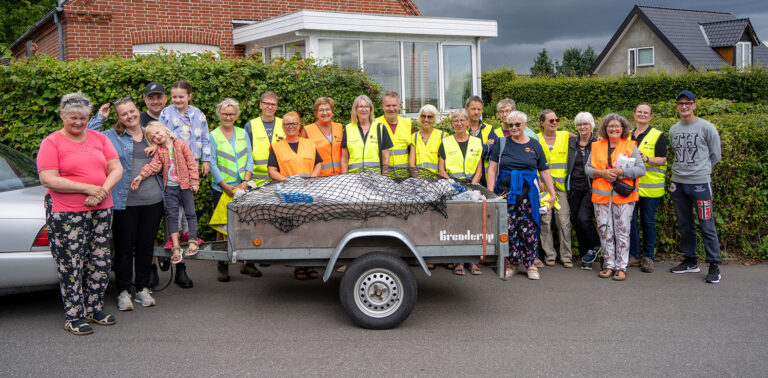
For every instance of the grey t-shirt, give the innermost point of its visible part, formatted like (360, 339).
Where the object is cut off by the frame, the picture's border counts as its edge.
(697, 150)
(149, 192)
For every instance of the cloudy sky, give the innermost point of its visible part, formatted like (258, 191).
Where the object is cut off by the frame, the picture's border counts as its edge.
(527, 26)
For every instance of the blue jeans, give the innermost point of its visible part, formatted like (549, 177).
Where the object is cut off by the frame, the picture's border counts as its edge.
(646, 206)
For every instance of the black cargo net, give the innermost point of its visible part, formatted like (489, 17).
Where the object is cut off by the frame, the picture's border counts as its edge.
(298, 200)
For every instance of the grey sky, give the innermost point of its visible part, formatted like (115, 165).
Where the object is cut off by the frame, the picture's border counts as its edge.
(525, 27)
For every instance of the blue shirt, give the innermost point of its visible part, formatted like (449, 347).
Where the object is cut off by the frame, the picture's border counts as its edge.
(191, 127)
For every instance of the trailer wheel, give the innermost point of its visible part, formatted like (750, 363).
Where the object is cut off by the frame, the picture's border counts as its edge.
(378, 291)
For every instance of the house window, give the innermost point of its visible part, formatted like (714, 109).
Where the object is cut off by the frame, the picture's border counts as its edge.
(294, 48)
(381, 60)
(273, 53)
(178, 48)
(639, 57)
(343, 52)
(457, 71)
(421, 80)
(743, 54)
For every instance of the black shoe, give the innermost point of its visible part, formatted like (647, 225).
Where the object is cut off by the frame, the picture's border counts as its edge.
(154, 279)
(164, 263)
(713, 276)
(181, 276)
(687, 266)
(223, 271)
(250, 269)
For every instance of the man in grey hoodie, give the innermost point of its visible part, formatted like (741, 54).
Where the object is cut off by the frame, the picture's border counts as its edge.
(697, 149)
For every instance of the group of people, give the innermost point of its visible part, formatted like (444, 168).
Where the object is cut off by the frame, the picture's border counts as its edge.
(118, 183)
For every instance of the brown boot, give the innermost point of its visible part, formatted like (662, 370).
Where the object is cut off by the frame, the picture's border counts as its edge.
(646, 265)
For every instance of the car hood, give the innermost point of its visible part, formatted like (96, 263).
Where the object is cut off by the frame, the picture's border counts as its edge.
(24, 203)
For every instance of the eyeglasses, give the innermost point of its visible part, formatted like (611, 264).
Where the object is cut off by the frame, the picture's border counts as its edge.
(583, 124)
(554, 120)
(427, 116)
(324, 110)
(228, 115)
(505, 111)
(644, 112)
(122, 100)
(515, 124)
(685, 103)
(269, 104)
(363, 106)
(76, 101)
(291, 124)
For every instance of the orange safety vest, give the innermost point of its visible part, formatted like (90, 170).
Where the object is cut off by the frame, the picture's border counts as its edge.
(293, 163)
(602, 190)
(329, 151)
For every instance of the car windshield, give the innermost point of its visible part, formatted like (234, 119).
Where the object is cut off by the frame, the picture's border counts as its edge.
(16, 170)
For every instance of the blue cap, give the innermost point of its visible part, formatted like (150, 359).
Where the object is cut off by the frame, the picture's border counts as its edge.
(688, 94)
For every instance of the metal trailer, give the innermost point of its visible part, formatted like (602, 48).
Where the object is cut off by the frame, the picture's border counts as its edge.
(378, 289)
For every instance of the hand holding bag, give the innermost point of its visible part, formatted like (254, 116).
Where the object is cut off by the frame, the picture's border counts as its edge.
(620, 187)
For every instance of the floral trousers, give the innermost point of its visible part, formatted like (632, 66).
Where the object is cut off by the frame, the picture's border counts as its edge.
(613, 226)
(79, 243)
(523, 232)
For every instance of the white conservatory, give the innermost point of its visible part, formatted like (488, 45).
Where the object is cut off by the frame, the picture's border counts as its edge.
(427, 60)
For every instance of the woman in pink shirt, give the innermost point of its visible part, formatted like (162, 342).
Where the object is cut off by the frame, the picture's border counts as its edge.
(79, 167)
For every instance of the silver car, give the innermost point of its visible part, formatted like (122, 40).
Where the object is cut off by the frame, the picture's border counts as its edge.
(26, 263)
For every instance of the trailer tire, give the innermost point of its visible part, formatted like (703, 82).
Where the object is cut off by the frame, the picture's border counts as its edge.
(378, 291)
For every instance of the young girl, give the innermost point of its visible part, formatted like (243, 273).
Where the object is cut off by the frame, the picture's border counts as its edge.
(180, 180)
(189, 124)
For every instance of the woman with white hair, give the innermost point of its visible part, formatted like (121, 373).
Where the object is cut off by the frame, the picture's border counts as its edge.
(516, 163)
(579, 188)
(79, 167)
(425, 143)
(366, 143)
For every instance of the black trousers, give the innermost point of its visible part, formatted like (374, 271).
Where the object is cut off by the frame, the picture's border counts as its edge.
(133, 231)
(583, 220)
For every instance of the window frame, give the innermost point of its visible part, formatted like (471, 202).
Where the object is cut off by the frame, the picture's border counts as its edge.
(746, 61)
(633, 59)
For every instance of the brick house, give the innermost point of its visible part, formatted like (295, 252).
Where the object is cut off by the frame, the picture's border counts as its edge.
(426, 59)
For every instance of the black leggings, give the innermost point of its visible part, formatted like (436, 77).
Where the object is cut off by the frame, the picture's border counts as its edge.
(134, 230)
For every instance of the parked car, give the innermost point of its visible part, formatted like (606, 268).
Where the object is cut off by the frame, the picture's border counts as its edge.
(26, 263)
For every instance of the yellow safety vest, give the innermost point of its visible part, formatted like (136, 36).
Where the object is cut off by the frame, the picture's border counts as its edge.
(485, 134)
(260, 145)
(652, 184)
(460, 166)
(231, 163)
(558, 158)
(427, 154)
(398, 154)
(363, 154)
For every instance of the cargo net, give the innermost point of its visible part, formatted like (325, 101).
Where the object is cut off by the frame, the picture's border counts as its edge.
(298, 200)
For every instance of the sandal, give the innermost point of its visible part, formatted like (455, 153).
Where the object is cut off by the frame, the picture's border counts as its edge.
(605, 273)
(300, 273)
(619, 275)
(312, 274)
(100, 318)
(459, 270)
(78, 327)
(192, 249)
(176, 257)
(475, 270)
(533, 273)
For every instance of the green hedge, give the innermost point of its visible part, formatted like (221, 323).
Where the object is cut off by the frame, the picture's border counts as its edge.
(602, 95)
(30, 91)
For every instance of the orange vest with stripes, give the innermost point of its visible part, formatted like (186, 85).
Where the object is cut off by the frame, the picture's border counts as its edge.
(602, 190)
(329, 151)
(295, 163)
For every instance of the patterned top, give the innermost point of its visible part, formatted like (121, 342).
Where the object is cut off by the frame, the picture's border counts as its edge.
(191, 127)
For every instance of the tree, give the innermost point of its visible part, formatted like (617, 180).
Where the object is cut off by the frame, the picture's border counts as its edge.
(542, 65)
(576, 62)
(18, 16)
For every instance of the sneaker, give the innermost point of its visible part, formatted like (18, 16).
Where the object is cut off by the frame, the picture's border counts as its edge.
(250, 269)
(713, 276)
(100, 318)
(687, 266)
(168, 244)
(590, 256)
(145, 298)
(646, 265)
(124, 301)
(78, 327)
(586, 265)
(633, 261)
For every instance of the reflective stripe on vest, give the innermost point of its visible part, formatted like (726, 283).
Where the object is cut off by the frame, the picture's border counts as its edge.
(485, 133)
(330, 152)
(231, 165)
(558, 158)
(602, 190)
(260, 144)
(426, 154)
(652, 184)
(458, 166)
(290, 163)
(398, 154)
(363, 154)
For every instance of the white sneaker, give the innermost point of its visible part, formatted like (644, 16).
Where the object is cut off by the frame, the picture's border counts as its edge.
(145, 298)
(124, 301)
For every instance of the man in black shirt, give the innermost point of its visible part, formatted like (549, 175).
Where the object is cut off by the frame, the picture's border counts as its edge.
(156, 100)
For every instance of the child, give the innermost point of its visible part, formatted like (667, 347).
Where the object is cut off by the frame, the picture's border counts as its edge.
(180, 180)
(189, 124)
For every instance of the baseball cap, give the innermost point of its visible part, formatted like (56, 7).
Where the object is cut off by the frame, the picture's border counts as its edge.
(688, 94)
(154, 87)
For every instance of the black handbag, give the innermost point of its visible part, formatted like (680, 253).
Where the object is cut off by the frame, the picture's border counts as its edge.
(620, 187)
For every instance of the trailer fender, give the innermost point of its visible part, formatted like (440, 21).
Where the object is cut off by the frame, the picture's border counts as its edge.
(368, 232)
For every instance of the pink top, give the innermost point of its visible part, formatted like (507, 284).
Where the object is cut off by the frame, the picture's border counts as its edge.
(84, 162)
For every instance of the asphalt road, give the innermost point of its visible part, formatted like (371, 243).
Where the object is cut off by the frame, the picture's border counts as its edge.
(570, 323)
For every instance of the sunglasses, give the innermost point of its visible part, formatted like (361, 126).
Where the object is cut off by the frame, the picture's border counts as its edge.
(122, 100)
(555, 120)
(76, 101)
(427, 116)
(515, 124)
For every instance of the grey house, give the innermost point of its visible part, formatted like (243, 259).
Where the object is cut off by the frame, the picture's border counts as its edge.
(667, 39)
